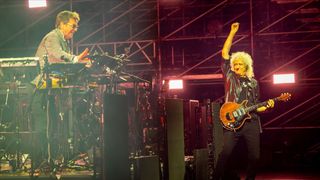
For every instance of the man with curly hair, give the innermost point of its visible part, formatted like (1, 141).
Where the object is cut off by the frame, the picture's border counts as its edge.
(240, 85)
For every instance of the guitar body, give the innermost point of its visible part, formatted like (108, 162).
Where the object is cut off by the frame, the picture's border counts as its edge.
(233, 115)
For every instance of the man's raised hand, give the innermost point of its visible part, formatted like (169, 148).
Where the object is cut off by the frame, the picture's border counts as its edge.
(235, 27)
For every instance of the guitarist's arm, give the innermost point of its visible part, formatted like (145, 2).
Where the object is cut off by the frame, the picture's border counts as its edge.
(270, 104)
(227, 44)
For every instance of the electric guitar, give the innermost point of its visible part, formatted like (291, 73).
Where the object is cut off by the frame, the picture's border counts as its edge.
(234, 115)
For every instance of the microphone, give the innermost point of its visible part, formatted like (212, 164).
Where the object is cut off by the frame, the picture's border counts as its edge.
(7, 97)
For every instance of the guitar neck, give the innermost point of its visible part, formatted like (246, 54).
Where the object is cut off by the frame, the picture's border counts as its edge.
(254, 107)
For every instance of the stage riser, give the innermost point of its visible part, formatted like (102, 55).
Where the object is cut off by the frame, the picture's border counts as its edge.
(116, 150)
(175, 139)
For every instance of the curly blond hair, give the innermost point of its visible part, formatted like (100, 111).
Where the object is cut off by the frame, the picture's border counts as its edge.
(247, 61)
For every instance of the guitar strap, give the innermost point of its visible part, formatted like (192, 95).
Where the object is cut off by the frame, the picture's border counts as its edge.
(252, 87)
(248, 87)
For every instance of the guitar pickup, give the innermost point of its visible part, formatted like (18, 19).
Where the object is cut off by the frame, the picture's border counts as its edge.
(238, 113)
(235, 114)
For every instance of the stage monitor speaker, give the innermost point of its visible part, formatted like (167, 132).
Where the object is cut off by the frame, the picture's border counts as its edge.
(201, 163)
(217, 131)
(190, 125)
(175, 139)
(147, 168)
(116, 153)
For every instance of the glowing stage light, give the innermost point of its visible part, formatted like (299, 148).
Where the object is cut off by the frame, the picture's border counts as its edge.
(37, 3)
(176, 84)
(283, 78)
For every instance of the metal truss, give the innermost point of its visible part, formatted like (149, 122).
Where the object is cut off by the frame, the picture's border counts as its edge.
(110, 37)
(299, 39)
(185, 39)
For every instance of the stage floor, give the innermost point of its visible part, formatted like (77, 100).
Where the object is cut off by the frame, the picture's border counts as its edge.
(286, 175)
(70, 175)
(88, 175)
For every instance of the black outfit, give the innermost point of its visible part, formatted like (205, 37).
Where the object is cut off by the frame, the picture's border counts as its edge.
(238, 89)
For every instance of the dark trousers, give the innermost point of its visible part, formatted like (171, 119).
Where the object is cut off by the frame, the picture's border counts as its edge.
(37, 113)
(250, 132)
(48, 123)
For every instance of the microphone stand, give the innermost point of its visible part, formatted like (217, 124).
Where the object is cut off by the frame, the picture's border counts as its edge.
(136, 77)
(4, 106)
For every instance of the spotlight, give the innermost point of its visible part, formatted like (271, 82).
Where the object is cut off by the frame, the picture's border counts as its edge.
(175, 84)
(37, 3)
(283, 78)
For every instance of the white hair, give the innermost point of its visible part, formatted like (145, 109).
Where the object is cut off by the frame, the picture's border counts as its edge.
(247, 61)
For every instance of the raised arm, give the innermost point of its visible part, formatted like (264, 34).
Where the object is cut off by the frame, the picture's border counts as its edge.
(228, 42)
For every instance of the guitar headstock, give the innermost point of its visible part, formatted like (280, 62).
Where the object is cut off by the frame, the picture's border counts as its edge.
(284, 97)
